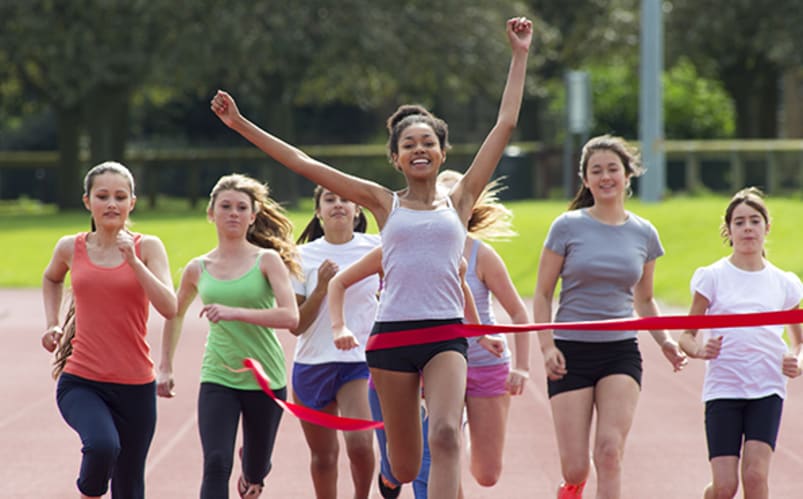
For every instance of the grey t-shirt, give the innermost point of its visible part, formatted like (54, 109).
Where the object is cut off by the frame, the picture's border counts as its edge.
(602, 264)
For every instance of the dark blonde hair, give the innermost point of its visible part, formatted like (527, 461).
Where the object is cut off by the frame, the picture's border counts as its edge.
(314, 229)
(629, 156)
(271, 228)
(410, 114)
(490, 220)
(752, 197)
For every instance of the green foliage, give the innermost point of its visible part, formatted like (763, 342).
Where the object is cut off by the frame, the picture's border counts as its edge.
(694, 107)
(689, 230)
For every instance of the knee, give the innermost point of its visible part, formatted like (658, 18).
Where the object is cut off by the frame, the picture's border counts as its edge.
(444, 438)
(323, 460)
(217, 463)
(608, 455)
(486, 476)
(103, 450)
(722, 489)
(755, 478)
(404, 472)
(361, 449)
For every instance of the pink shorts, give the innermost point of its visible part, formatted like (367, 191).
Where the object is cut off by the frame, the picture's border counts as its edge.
(487, 381)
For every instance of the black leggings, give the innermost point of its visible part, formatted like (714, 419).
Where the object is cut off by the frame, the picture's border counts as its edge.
(116, 424)
(219, 410)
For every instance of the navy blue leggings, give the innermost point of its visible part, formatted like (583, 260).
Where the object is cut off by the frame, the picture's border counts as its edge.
(116, 424)
(219, 409)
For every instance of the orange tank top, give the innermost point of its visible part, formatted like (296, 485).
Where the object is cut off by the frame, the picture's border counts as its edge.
(111, 316)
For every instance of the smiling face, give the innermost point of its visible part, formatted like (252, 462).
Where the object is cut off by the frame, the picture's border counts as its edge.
(747, 229)
(336, 213)
(232, 212)
(419, 153)
(109, 200)
(605, 176)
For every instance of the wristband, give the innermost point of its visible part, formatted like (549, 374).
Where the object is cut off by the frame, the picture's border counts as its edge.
(54, 329)
(520, 372)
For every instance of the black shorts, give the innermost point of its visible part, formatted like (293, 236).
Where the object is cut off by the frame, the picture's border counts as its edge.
(412, 358)
(728, 420)
(587, 363)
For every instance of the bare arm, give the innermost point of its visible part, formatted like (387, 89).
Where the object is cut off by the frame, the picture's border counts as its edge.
(793, 361)
(689, 341)
(492, 271)
(370, 195)
(309, 306)
(549, 268)
(519, 33)
(53, 290)
(645, 306)
(171, 332)
(368, 264)
(153, 273)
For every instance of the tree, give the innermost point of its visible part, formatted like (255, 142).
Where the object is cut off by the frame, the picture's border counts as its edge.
(747, 44)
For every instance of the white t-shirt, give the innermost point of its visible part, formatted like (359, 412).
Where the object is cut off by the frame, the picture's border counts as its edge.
(749, 366)
(315, 345)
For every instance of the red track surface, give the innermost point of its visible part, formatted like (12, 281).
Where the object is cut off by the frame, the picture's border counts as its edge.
(665, 456)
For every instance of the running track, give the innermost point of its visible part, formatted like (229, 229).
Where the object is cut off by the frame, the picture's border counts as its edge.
(665, 456)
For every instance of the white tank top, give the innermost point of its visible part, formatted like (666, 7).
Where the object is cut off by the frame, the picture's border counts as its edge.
(421, 252)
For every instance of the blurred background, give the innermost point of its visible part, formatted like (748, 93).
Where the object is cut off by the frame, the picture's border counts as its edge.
(84, 81)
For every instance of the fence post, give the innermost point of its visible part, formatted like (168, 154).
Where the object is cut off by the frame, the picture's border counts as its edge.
(692, 180)
(772, 173)
(737, 171)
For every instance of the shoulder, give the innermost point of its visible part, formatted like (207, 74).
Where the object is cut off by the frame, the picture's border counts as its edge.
(67, 243)
(641, 222)
(368, 239)
(270, 261)
(150, 243)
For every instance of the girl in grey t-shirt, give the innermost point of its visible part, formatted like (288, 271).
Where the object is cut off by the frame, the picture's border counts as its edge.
(605, 257)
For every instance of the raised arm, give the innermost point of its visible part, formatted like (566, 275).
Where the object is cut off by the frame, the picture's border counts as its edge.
(467, 190)
(370, 195)
(369, 264)
(645, 306)
(171, 332)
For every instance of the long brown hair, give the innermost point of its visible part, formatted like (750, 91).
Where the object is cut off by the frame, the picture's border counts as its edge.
(271, 228)
(490, 220)
(629, 156)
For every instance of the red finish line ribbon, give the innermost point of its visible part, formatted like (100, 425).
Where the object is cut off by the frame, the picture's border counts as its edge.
(452, 331)
(305, 413)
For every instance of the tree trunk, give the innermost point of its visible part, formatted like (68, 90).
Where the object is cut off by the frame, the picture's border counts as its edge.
(282, 181)
(792, 97)
(755, 94)
(107, 114)
(70, 180)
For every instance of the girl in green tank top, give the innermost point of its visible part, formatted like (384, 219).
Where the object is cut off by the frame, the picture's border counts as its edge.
(244, 283)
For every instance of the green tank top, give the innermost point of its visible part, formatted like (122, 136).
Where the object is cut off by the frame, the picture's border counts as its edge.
(229, 342)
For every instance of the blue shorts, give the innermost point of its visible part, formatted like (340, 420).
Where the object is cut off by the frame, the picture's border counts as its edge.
(728, 420)
(316, 385)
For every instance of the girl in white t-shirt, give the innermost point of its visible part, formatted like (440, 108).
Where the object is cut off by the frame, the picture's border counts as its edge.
(325, 378)
(746, 369)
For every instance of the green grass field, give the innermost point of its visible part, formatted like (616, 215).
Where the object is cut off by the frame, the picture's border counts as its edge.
(689, 229)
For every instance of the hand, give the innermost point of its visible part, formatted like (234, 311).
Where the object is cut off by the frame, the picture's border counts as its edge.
(516, 381)
(711, 349)
(791, 365)
(326, 272)
(494, 345)
(225, 108)
(554, 364)
(519, 33)
(344, 339)
(165, 385)
(216, 313)
(52, 338)
(125, 243)
(674, 354)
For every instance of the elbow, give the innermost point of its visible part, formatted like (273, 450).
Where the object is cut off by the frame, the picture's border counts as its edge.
(291, 322)
(169, 311)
